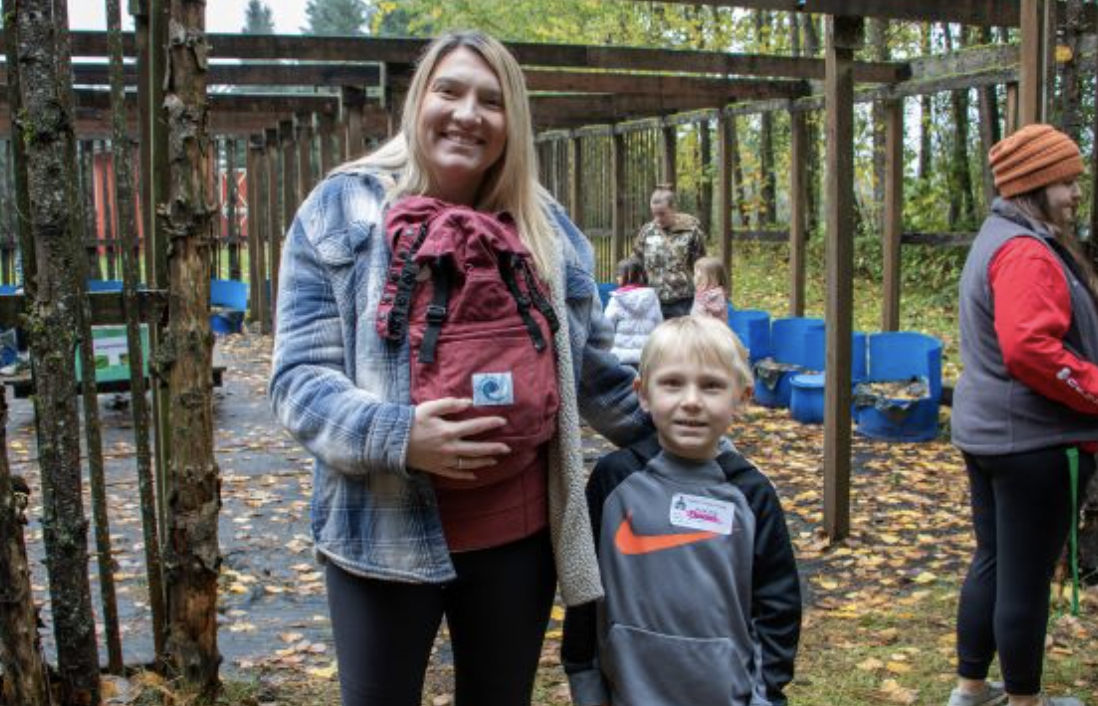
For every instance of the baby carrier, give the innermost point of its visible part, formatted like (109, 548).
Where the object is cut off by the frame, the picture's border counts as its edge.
(462, 287)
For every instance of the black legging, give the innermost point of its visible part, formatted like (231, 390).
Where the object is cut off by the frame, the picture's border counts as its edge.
(496, 610)
(1021, 509)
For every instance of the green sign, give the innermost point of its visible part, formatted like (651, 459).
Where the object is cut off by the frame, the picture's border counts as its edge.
(112, 356)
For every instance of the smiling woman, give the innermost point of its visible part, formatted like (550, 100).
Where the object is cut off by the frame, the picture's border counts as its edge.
(439, 336)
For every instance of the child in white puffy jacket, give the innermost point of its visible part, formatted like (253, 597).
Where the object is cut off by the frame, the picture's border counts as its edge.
(633, 311)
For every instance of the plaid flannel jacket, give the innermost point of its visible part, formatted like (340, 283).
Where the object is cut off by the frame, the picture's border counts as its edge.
(344, 393)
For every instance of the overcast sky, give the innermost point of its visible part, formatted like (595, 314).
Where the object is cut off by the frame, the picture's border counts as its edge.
(221, 15)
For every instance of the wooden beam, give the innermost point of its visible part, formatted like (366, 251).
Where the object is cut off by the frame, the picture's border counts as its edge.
(303, 136)
(668, 156)
(724, 191)
(893, 215)
(96, 73)
(798, 210)
(844, 35)
(1003, 13)
(1032, 90)
(407, 51)
(274, 214)
(575, 187)
(722, 89)
(617, 187)
(106, 307)
(326, 134)
(352, 101)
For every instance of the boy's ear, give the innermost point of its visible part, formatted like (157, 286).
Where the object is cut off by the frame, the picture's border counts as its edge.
(641, 397)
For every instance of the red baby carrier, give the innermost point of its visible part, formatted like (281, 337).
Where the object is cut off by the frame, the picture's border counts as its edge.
(461, 285)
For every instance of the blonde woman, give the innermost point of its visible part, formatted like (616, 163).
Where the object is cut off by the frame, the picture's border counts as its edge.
(384, 464)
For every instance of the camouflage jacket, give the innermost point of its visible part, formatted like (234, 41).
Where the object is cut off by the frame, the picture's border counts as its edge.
(669, 255)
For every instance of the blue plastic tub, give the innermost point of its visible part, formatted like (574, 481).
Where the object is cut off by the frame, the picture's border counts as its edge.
(806, 403)
(229, 298)
(788, 348)
(815, 356)
(898, 356)
(104, 285)
(753, 328)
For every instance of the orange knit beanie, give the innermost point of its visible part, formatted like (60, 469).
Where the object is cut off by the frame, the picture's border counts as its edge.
(1035, 156)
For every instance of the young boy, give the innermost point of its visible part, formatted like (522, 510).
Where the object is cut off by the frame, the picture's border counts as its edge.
(702, 598)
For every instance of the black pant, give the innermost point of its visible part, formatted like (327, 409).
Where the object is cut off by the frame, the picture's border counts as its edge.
(1021, 510)
(677, 308)
(497, 611)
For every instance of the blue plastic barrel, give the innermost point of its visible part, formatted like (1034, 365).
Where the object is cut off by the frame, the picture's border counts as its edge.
(898, 356)
(753, 328)
(815, 357)
(104, 285)
(806, 403)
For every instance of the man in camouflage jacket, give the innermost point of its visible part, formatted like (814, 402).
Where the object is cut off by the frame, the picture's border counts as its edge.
(669, 245)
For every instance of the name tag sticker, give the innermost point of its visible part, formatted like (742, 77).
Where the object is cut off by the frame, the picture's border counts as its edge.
(701, 513)
(493, 389)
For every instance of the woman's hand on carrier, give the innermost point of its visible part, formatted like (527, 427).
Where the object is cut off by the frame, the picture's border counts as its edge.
(441, 446)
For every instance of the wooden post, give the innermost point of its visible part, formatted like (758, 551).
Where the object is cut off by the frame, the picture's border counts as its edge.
(352, 100)
(232, 193)
(275, 172)
(251, 159)
(724, 189)
(289, 172)
(1033, 96)
(259, 231)
(893, 214)
(303, 135)
(844, 35)
(617, 176)
(705, 196)
(90, 232)
(326, 131)
(798, 215)
(575, 192)
(1010, 120)
(668, 154)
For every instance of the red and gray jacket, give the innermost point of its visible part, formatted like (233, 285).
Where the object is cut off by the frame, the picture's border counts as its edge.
(996, 410)
(702, 601)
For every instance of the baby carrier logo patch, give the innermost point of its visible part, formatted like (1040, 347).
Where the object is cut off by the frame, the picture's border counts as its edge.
(493, 389)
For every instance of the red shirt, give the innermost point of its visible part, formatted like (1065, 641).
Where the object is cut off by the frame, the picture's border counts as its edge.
(1032, 316)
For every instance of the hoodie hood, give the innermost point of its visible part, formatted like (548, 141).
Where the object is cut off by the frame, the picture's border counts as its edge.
(637, 301)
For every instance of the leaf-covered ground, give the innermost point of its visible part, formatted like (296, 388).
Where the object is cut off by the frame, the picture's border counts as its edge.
(879, 606)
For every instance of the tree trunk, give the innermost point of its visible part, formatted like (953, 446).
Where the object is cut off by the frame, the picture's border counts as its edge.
(25, 681)
(990, 130)
(139, 406)
(766, 205)
(192, 558)
(813, 133)
(927, 119)
(739, 203)
(1071, 114)
(878, 42)
(961, 210)
(46, 127)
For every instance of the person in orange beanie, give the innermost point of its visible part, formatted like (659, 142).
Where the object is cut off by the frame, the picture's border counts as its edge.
(1025, 411)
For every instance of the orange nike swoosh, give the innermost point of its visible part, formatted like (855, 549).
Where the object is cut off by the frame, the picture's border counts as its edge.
(629, 542)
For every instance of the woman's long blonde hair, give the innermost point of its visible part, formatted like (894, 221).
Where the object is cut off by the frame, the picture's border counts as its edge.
(511, 184)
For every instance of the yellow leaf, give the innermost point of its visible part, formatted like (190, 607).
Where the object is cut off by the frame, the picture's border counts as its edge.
(870, 664)
(322, 672)
(557, 614)
(898, 667)
(925, 577)
(827, 584)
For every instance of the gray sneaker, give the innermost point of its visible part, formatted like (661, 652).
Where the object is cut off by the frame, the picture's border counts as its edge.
(1060, 701)
(993, 695)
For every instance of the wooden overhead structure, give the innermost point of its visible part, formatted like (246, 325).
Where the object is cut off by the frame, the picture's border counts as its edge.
(586, 91)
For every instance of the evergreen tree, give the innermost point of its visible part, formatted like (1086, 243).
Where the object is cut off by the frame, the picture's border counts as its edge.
(337, 17)
(258, 18)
